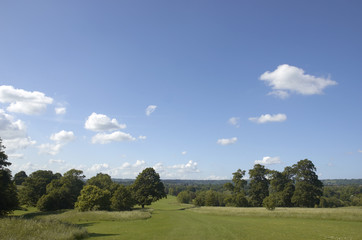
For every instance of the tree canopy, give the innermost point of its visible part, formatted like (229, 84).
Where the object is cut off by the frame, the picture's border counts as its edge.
(148, 187)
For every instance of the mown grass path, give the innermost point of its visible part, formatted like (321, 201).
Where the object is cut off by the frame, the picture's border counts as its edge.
(171, 220)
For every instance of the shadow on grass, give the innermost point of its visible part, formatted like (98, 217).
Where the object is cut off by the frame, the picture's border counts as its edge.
(100, 235)
(36, 214)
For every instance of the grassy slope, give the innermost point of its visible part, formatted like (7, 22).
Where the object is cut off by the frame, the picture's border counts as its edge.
(169, 221)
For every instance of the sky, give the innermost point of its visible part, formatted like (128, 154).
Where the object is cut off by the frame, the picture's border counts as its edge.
(194, 89)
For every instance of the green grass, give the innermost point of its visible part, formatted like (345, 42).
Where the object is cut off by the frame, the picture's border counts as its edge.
(171, 220)
(19, 228)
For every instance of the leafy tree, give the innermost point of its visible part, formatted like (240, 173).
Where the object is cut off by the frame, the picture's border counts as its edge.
(103, 181)
(34, 187)
(281, 187)
(259, 185)
(308, 188)
(62, 193)
(8, 195)
(184, 197)
(270, 202)
(237, 189)
(122, 199)
(20, 177)
(148, 187)
(93, 198)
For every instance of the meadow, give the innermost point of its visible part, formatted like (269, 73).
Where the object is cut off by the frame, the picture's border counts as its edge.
(167, 219)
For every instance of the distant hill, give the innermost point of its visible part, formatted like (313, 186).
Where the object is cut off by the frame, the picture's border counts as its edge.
(326, 182)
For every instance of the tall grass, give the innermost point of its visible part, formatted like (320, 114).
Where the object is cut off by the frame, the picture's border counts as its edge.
(31, 229)
(74, 216)
(343, 214)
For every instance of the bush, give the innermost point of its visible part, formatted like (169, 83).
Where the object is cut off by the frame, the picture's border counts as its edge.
(184, 197)
(93, 198)
(122, 199)
(270, 202)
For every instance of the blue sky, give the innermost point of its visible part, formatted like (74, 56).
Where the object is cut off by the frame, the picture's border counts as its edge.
(195, 89)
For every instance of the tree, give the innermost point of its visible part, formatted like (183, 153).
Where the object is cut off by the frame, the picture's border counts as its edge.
(281, 187)
(34, 187)
(8, 195)
(259, 185)
(184, 197)
(93, 198)
(148, 187)
(103, 181)
(62, 193)
(308, 188)
(237, 189)
(20, 177)
(122, 199)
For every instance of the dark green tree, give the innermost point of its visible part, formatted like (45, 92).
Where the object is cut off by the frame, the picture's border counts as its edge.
(259, 185)
(308, 188)
(281, 187)
(93, 198)
(101, 180)
(148, 187)
(8, 194)
(237, 189)
(34, 187)
(62, 193)
(20, 177)
(122, 199)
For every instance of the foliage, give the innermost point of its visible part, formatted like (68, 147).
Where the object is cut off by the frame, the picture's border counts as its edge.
(93, 198)
(8, 193)
(308, 188)
(122, 199)
(270, 202)
(259, 185)
(34, 187)
(282, 187)
(103, 181)
(20, 177)
(148, 187)
(62, 193)
(185, 196)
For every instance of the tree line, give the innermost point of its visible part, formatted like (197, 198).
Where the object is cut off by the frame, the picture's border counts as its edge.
(296, 186)
(50, 191)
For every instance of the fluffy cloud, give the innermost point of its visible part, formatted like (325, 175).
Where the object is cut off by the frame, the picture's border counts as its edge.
(22, 101)
(150, 109)
(234, 121)
(60, 110)
(99, 122)
(61, 139)
(13, 133)
(227, 141)
(58, 161)
(142, 137)
(269, 118)
(184, 153)
(288, 79)
(268, 161)
(178, 171)
(116, 136)
(62, 136)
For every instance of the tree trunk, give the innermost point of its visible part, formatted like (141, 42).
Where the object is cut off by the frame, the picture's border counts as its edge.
(143, 206)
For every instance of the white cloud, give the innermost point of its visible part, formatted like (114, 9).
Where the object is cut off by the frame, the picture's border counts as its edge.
(13, 133)
(58, 161)
(16, 156)
(142, 137)
(288, 79)
(60, 110)
(213, 177)
(100, 122)
(184, 153)
(62, 136)
(99, 167)
(150, 109)
(280, 117)
(360, 151)
(268, 161)
(178, 171)
(51, 149)
(22, 101)
(227, 141)
(117, 136)
(234, 121)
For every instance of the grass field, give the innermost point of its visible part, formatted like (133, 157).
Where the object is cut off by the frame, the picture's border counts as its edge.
(171, 220)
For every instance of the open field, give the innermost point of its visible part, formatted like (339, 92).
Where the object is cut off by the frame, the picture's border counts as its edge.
(171, 220)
